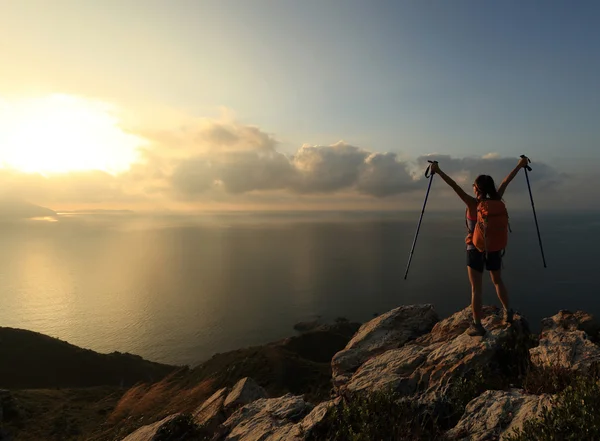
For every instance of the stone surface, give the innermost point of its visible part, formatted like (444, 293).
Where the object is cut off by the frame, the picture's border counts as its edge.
(572, 321)
(564, 342)
(211, 413)
(388, 331)
(267, 419)
(146, 433)
(244, 392)
(495, 414)
(314, 418)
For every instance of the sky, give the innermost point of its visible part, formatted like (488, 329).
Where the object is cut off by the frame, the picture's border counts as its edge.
(198, 105)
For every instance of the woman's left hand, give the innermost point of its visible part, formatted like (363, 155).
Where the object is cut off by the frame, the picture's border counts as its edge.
(523, 162)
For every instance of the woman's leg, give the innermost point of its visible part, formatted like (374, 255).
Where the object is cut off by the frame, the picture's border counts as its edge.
(476, 279)
(500, 287)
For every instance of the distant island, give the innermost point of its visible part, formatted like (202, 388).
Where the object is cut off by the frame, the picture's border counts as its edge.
(12, 208)
(97, 211)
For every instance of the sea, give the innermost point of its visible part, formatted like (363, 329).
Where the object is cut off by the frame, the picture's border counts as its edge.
(178, 289)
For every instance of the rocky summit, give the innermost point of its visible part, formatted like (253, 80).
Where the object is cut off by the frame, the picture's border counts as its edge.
(429, 363)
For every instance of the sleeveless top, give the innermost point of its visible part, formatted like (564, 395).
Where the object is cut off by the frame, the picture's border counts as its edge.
(471, 223)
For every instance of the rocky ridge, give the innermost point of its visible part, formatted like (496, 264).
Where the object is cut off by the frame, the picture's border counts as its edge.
(419, 357)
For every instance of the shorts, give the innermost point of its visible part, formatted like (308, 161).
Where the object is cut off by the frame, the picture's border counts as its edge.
(476, 260)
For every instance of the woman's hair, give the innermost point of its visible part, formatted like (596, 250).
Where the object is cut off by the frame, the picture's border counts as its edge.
(486, 186)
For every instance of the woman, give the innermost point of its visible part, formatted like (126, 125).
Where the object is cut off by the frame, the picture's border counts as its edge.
(484, 190)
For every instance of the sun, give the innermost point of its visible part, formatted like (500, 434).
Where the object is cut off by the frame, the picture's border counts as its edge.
(64, 133)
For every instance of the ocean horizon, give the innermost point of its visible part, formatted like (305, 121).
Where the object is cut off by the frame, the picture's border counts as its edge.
(178, 289)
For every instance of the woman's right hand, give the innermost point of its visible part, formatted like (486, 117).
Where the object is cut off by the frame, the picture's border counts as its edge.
(435, 168)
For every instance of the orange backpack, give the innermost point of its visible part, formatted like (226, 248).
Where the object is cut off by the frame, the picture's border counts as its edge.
(491, 230)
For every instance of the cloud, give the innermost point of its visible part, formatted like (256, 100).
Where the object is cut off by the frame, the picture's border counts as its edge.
(468, 168)
(242, 172)
(327, 168)
(233, 172)
(551, 188)
(225, 162)
(491, 155)
(205, 136)
(311, 170)
(383, 175)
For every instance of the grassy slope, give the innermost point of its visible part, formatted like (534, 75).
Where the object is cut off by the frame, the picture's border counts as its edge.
(60, 414)
(300, 365)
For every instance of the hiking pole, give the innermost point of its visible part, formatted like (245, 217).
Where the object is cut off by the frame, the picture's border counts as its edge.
(430, 176)
(527, 168)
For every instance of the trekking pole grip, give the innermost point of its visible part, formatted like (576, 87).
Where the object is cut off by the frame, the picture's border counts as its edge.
(428, 171)
(528, 160)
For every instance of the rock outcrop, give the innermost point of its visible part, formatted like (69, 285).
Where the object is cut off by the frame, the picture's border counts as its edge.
(288, 418)
(267, 418)
(244, 392)
(147, 433)
(212, 413)
(566, 342)
(495, 414)
(388, 331)
(430, 363)
(224, 402)
(410, 352)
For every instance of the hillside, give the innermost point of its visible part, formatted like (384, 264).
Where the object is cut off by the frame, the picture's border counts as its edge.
(300, 365)
(406, 375)
(30, 360)
(92, 406)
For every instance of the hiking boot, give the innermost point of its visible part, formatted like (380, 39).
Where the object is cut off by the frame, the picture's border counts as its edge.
(507, 316)
(476, 329)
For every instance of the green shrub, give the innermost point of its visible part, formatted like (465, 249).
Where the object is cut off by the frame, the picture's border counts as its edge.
(387, 416)
(513, 360)
(461, 391)
(575, 415)
(547, 380)
(378, 416)
(181, 428)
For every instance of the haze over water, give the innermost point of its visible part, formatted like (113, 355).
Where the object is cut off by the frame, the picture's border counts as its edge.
(179, 289)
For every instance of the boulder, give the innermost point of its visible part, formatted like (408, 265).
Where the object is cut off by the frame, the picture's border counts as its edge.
(432, 362)
(147, 433)
(215, 410)
(266, 419)
(388, 331)
(572, 321)
(495, 414)
(304, 428)
(244, 392)
(564, 342)
(211, 413)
